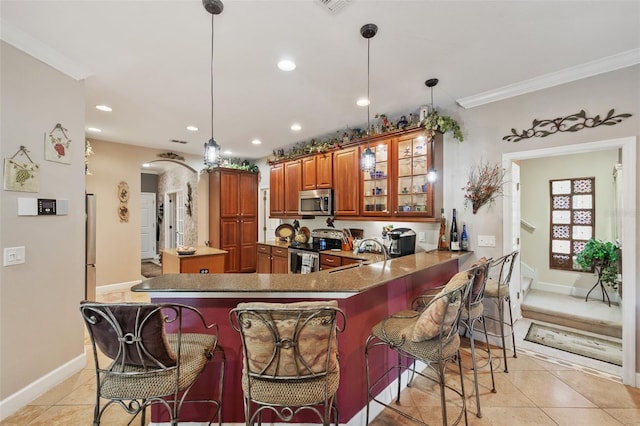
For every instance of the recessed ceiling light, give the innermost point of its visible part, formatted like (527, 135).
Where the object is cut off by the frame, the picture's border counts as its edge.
(256, 141)
(192, 128)
(362, 102)
(227, 152)
(93, 129)
(296, 127)
(287, 65)
(104, 108)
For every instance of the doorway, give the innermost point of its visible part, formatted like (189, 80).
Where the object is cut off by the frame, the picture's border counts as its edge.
(511, 219)
(148, 248)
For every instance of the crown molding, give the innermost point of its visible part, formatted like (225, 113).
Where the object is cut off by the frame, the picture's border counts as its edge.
(567, 75)
(39, 50)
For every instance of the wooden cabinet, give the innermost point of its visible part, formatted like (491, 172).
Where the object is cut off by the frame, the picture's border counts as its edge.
(233, 222)
(317, 171)
(206, 260)
(292, 186)
(272, 260)
(376, 184)
(328, 261)
(276, 190)
(346, 171)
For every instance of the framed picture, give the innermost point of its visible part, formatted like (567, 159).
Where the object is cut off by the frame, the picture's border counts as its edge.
(20, 175)
(57, 146)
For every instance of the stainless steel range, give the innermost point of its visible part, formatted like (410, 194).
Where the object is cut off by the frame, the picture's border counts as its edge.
(305, 258)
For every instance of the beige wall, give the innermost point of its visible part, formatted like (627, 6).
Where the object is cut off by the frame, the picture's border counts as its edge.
(118, 243)
(40, 325)
(534, 178)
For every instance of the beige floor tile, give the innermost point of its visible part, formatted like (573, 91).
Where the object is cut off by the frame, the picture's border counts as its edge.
(389, 417)
(626, 416)
(547, 390)
(25, 415)
(501, 416)
(83, 395)
(581, 416)
(65, 416)
(56, 394)
(602, 392)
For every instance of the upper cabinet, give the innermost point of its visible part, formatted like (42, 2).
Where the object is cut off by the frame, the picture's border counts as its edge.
(398, 187)
(317, 171)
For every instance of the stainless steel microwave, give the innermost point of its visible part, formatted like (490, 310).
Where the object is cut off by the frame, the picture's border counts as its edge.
(315, 202)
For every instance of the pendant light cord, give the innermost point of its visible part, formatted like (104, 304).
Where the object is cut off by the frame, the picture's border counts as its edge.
(212, 15)
(368, 83)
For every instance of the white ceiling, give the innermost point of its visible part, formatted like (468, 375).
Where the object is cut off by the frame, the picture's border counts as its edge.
(150, 60)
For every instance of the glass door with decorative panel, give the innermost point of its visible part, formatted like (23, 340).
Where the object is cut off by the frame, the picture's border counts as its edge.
(414, 194)
(375, 186)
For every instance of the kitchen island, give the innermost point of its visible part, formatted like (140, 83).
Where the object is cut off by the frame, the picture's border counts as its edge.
(205, 260)
(367, 294)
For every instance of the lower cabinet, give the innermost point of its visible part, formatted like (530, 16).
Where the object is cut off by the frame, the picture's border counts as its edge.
(272, 260)
(328, 261)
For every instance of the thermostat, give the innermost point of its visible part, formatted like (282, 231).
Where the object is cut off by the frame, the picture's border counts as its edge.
(42, 207)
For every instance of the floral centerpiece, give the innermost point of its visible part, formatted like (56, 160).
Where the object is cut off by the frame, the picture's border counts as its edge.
(484, 185)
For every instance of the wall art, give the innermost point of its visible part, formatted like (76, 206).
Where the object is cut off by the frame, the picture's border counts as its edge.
(20, 175)
(57, 145)
(123, 198)
(571, 123)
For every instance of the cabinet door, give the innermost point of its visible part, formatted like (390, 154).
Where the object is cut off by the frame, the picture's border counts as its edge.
(229, 231)
(263, 263)
(276, 190)
(248, 195)
(229, 197)
(247, 241)
(346, 171)
(413, 194)
(292, 186)
(324, 170)
(375, 184)
(280, 261)
(328, 261)
(309, 173)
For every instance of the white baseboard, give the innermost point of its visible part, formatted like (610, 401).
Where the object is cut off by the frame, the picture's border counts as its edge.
(116, 287)
(574, 291)
(24, 396)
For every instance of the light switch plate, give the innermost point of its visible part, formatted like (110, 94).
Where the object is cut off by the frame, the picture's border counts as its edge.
(13, 256)
(486, 240)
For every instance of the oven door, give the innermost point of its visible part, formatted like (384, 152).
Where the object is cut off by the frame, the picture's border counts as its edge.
(303, 261)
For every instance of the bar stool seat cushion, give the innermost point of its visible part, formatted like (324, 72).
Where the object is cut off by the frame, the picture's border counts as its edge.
(492, 289)
(397, 330)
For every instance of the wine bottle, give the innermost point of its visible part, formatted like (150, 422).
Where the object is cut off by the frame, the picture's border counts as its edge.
(454, 243)
(464, 238)
(442, 236)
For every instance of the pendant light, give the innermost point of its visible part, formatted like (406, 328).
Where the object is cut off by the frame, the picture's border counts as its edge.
(211, 148)
(368, 160)
(432, 174)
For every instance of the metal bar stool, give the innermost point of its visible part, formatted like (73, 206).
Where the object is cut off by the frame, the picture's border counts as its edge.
(497, 290)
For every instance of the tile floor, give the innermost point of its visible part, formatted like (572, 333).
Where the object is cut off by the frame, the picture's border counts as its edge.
(540, 389)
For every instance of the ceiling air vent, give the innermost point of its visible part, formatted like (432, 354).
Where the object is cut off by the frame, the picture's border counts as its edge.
(333, 6)
(179, 141)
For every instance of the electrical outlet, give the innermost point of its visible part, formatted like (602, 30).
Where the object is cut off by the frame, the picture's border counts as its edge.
(486, 240)
(422, 236)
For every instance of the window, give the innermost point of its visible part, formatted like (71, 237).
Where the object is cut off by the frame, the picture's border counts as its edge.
(572, 220)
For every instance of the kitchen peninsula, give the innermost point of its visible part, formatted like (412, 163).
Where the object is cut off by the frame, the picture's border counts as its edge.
(367, 294)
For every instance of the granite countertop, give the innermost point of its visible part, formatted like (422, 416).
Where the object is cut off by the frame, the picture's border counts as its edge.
(342, 253)
(200, 251)
(346, 279)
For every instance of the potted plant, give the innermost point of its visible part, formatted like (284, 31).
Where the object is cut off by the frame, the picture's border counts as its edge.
(442, 123)
(603, 257)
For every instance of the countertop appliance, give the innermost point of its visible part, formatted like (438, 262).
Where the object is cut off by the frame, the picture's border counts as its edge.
(403, 242)
(315, 202)
(305, 258)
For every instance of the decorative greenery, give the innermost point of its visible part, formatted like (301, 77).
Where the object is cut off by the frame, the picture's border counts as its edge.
(234, 163)
(484, 185)
(603, 256)
(571, 123)
(443, 124)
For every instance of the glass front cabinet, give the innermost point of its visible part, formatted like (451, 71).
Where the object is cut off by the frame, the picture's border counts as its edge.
(398, 186)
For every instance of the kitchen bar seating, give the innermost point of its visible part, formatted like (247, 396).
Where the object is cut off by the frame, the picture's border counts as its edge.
(139, 364)
(497, 291)
(422, 339)
(290, 359)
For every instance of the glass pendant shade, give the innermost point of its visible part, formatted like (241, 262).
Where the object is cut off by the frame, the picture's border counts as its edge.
(368, 161)
(211, 153)
(432, 175)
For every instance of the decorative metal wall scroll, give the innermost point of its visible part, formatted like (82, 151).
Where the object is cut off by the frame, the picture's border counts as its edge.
(57, 145)
(171, 156)
(571, 123)
(19, 175)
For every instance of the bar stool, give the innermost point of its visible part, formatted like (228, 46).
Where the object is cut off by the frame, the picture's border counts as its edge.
(497, 291)
(290, 354)
(472, 313)
(429, 336)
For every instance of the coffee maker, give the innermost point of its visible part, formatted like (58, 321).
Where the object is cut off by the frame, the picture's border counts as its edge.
(403, 242)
